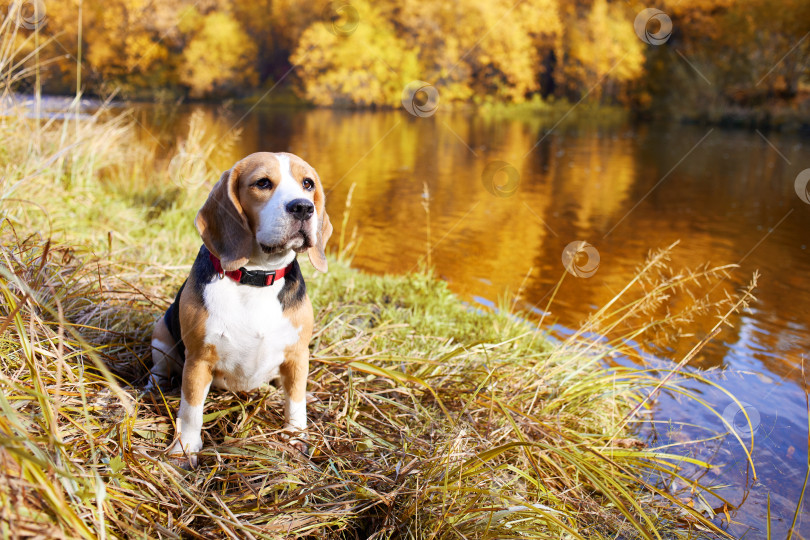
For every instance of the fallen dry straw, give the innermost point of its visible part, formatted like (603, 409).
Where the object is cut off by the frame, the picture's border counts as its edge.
(428, 420)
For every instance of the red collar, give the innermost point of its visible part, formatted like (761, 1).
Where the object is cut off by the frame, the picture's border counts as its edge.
(257, 278)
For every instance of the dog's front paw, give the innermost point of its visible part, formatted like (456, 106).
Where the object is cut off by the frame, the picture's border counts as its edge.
(181, 450)
(296, 438)
(300, 445)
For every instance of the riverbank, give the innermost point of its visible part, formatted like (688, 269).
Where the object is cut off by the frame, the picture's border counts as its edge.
(428, 418)
(787, 117)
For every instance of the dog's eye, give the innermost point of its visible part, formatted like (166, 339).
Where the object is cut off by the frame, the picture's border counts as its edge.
(264, 183)
(308, 184)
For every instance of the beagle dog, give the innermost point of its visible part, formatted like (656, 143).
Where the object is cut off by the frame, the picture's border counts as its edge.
(243, 318)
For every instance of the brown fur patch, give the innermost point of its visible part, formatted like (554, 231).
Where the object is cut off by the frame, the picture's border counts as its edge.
(197, 375)
(251, 169)
(295, 369)
(200, 357)
(222, 223)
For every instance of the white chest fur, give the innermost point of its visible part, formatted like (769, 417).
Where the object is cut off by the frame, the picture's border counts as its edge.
(249, 331)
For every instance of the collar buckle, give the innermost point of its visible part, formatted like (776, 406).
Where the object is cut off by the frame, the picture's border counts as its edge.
(270, 278)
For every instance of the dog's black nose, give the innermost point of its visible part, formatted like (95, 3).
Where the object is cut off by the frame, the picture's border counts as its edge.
(301, 209)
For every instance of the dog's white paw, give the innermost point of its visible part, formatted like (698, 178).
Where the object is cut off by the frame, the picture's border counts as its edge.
(300, 445)
(186, 449)
(296, 438)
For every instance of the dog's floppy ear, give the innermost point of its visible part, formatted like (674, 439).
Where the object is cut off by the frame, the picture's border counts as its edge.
(222, 223)
(317, 253)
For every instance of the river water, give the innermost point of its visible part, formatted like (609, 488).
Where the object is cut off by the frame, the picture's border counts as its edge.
(727, 196)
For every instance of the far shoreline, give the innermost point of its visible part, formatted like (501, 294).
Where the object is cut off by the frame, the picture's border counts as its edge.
(774, 117)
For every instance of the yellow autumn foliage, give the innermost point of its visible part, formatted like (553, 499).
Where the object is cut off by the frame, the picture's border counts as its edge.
(481, 47)
(359, 66)
(603, 49)
(218, 58)
(470, 50)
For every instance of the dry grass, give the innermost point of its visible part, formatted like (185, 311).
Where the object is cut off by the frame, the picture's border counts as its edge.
(428, 420)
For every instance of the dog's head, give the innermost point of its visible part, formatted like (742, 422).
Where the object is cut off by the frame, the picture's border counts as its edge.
(270, 203)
